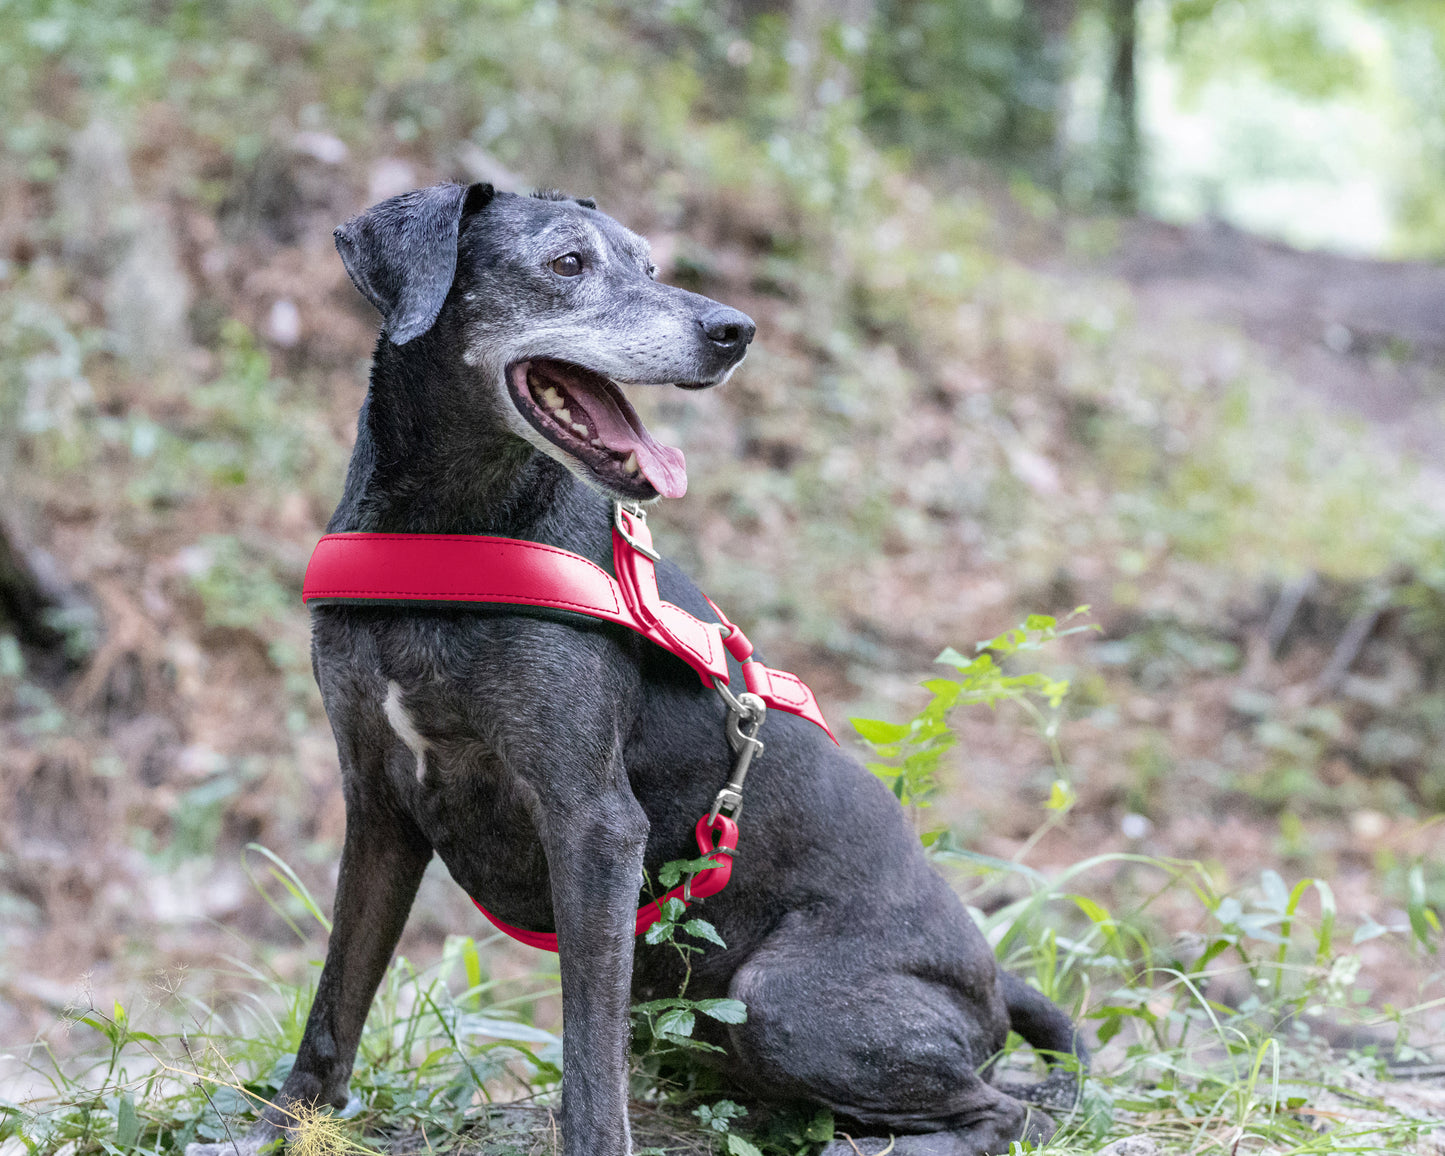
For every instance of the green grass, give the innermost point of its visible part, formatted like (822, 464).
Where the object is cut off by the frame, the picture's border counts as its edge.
(439, 1042)
(441, 1045)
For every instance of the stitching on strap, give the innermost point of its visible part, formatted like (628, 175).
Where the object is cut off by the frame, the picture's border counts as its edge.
(463, 595)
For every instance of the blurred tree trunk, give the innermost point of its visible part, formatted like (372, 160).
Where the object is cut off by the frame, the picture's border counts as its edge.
(24, 603)
(1120, 131)
(819, 77)
(1055, 22)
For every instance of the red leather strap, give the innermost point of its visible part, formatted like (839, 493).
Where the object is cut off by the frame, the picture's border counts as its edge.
(465, 568)
(508, 571)
(738, 643)
(708, 881)
(458, 568)
(697, 643)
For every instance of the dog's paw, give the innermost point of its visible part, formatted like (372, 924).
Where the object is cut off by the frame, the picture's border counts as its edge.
(863, 1146)
(1039, 1127)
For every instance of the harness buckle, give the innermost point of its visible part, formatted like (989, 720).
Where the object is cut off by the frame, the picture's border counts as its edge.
(636, 510)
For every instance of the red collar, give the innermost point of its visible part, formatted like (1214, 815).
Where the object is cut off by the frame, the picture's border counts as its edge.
(470, 569)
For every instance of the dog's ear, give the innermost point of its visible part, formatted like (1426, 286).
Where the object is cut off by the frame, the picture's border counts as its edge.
(402, 253)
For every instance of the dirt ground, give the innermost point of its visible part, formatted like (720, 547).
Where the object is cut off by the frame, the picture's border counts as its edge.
(1367, 337)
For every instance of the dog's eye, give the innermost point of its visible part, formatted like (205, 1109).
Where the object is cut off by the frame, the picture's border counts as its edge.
(568, 266)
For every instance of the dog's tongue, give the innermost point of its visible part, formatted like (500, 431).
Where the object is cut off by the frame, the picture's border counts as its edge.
(620, 429)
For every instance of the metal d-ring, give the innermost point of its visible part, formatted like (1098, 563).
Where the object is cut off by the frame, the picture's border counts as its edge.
(745, 707)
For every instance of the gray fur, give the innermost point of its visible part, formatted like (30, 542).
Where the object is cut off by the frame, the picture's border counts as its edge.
(563, 758)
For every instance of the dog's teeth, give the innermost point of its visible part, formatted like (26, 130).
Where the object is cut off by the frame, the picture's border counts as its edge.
(549, 395)
(629, 463)
(580, 429)
(562, 415)
(598, 443)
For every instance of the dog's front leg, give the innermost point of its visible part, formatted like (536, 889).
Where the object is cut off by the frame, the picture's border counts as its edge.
(594, 855)
(382, 862)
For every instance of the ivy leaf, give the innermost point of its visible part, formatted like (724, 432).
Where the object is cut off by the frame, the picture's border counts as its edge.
(876, 730)
(950, 657)
(677, 1023)
(737, 1146)
(657, 1005)
(820, 1128)
(671, 873)
(702, 929)
(727, 1011)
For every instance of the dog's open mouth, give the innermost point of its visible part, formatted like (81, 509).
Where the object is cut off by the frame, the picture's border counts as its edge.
(586, 415)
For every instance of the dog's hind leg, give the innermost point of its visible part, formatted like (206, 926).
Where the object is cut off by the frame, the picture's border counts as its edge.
(892, 1043)
(382, 862)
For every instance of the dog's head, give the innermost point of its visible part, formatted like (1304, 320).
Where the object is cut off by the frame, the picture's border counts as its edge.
(555, 308)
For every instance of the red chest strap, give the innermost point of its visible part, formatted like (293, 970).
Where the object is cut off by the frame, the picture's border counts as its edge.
(475, 569)
(717, 840)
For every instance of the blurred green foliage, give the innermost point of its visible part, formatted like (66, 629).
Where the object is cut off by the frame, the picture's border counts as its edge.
(887, 292)
(965, 77)
(909, 754)
(1025, 85)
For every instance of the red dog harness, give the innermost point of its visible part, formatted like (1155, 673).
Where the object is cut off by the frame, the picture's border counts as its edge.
(473, 570)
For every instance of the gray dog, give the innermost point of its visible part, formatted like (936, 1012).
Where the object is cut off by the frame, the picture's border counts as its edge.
(550, 762)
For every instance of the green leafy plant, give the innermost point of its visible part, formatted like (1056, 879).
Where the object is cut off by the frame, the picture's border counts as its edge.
(909, 754)
(718, 1118)
(669, 1023)
(1211, 1033)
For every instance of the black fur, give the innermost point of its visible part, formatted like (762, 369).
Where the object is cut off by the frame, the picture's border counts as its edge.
(562, 758)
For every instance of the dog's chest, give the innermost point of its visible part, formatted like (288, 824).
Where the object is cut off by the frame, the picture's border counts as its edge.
(458, 788)
(465, 721)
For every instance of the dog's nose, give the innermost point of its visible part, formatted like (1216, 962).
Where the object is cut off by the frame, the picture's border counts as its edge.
(728, 329)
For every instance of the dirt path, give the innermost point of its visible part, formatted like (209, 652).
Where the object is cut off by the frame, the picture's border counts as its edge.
(1366, 337)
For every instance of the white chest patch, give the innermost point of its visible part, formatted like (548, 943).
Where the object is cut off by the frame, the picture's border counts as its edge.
(405, 729)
